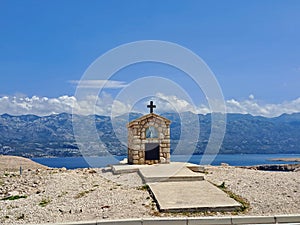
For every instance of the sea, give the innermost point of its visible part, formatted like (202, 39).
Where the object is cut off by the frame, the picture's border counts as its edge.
(231, 159)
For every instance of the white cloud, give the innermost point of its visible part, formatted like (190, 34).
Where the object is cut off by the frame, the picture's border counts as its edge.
(172, 102)
(45, 106)
(260, 109)
(250, 106)
(251, 96)
(36, 105)
(104, 104)
(92, 84)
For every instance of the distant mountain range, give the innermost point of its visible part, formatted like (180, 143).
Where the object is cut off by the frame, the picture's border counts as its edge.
(52, 136)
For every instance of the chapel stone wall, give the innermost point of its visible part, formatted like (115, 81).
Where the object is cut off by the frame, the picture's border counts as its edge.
(137, 139)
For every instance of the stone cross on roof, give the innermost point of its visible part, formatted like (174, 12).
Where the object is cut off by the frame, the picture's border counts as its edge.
(151, 106)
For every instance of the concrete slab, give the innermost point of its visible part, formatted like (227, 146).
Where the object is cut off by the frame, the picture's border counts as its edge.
(253, 220)
(191, 196)
(121, 222)
(209, 221)
(126, 168)
(169, 173)
(287, 218)
(165, 221)
(72, 223)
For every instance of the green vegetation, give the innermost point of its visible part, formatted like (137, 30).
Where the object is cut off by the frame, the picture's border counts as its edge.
(245, 204)
(83, 193)
(145, 187)
(191, 214)
(44, 202)
(15, 197)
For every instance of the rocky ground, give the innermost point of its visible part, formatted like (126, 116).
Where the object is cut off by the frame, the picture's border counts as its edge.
(268, 193)
(56, 195)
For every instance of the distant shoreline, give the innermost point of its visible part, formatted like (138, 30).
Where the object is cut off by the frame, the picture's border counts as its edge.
(285, 159)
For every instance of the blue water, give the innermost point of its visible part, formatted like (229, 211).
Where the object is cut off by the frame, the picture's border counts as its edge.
(231, 159)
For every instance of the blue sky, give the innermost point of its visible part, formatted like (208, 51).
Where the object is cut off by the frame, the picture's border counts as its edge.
(253, 47)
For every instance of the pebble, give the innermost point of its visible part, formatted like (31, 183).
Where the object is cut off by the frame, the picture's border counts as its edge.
(71, 195)
(62, 195)
(269, 193)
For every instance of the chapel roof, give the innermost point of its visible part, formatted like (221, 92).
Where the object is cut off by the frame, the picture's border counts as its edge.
(147, 116)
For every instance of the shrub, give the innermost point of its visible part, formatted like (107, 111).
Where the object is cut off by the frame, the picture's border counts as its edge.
(15, 197)
(44, 202)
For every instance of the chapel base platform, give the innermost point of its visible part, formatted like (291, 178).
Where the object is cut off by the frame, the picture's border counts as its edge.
(172, 172)
(177, 188)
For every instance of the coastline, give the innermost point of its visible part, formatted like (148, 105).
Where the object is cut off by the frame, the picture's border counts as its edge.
(285, 159)
(231, 159)
(275, 167)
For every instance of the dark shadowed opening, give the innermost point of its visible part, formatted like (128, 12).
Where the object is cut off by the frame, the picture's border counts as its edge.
(151, 151)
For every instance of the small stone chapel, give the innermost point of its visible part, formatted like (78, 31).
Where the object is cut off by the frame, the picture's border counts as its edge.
(149, 139)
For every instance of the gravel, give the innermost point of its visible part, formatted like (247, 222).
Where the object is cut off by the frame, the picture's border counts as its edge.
(268, 193)
(61, 195)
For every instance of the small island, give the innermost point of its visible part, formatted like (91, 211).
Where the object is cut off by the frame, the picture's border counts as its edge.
(285, 159)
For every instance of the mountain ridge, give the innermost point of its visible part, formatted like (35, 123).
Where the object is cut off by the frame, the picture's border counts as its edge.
(53, 136)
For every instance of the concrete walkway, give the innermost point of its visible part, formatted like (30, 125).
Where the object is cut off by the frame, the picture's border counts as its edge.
(191, 196)
(176, 188)
(168, 173)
